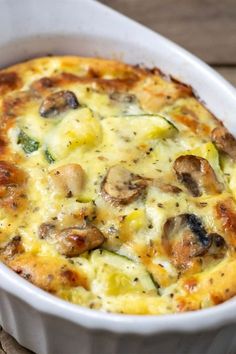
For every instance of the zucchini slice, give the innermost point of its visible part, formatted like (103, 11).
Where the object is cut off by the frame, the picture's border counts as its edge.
(141, 127)
(118, 275)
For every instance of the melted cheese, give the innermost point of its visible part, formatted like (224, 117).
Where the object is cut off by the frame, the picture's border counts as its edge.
(130, 117)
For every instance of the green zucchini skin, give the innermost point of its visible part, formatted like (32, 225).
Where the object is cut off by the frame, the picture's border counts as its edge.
(27, 143)
(48, 156)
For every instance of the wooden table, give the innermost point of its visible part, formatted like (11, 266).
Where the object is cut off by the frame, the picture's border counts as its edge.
(206, 28)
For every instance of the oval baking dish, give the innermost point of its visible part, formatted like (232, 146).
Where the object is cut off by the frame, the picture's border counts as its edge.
(50, 324)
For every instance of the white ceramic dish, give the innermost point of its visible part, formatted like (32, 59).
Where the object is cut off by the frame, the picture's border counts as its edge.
(48, 325)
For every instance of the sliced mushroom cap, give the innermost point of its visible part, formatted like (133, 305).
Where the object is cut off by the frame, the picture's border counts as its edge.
(224, 141)
(197, 175)
(120, 186)
(57, 103)
(74, 241)
(218, 247)
(68, 179)
(123, 97)
(184, 237)
(169, 188)
(46, 230)
(13, 247)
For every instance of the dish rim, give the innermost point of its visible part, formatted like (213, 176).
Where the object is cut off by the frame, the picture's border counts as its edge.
(188, 322)
(120, 323)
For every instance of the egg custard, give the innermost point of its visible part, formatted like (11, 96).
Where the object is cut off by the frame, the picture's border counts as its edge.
(117, 187)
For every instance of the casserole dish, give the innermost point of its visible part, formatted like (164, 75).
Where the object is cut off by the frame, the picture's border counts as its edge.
(50, 325)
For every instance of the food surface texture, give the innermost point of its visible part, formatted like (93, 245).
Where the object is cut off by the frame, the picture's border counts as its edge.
(117, 187)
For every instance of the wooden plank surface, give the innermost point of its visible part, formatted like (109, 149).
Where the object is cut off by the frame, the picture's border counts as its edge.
(207, 28)
(228, 72)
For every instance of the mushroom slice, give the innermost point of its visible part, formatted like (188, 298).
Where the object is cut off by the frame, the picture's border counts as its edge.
(57, 103)
(68, 179)
(169, 188)
(218, 247)
(165, 187)
(184, 237)
(123, 97)
(45, 230)
(120, 186)
(74, 241)
(12, 186)
(224, 141)
(13, 247)
(197, 175)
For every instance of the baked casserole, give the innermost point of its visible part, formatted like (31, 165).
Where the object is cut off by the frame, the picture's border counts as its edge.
(117, 187)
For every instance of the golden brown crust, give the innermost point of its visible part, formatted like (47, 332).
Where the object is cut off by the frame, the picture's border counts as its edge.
(189, 118)
(224, 141)
(50, 274)
(226, 217)
(12, 186)
(9, 81)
